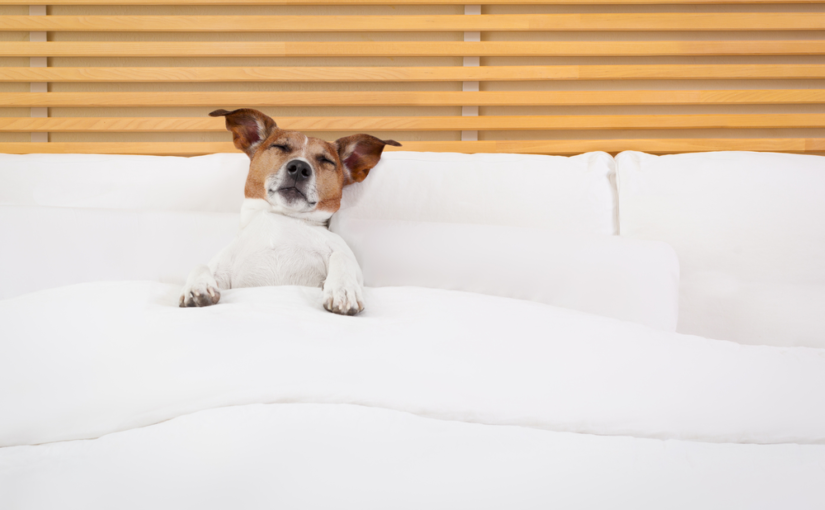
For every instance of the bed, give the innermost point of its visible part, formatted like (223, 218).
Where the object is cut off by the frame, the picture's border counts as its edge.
(469, 380)
(635, 328)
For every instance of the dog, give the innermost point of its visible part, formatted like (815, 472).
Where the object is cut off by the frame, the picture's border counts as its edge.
(294, 187)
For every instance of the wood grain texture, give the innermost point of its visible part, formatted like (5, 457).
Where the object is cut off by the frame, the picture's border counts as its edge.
(497, 123)
(403, 2)
(715, 43)
(360, 98)
(562, 147)
(412, 74)
(411, 49)
(656, 22)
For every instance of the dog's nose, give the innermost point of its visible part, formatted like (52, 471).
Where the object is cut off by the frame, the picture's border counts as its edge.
(298, 169)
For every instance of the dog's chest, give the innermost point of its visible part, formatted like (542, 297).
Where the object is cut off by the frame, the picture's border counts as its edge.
(276, 250)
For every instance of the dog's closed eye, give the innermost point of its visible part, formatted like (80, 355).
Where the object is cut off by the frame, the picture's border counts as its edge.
(281, 147)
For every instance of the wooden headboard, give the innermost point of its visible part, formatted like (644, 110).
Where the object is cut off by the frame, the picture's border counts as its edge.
(525, 76)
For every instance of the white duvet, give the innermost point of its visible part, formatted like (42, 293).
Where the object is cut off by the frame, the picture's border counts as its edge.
(504, 402)
(327, 456)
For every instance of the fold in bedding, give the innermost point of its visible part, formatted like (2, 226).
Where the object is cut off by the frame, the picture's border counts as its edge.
(322, 456)
(83, 361)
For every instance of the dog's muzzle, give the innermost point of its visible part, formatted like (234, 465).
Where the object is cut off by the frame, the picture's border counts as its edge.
(293, 187)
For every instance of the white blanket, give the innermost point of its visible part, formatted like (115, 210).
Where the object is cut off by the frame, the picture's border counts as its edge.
(83, 361)
(327, 456)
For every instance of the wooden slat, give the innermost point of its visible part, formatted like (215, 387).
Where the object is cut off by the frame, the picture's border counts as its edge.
(410, 49)
(400, 2)
(654, 146)
(498, 123)
(405, 74)
(374, 98)
(658, 22)
(412, 74)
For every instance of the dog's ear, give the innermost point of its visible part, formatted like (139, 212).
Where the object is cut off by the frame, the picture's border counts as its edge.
(249, 128)
(359, 153)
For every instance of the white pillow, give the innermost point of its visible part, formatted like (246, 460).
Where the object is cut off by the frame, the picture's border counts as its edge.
(45, 247)
(574, 194)
(565, 194)
(749, 230)
(211, 183)
(622, 278)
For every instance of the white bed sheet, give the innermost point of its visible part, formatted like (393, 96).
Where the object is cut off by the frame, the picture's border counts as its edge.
(87, 360)
(326, 456)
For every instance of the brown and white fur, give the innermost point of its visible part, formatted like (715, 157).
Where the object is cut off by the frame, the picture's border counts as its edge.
(293, 188)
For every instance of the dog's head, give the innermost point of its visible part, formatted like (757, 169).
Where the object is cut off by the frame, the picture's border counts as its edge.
(299, 175)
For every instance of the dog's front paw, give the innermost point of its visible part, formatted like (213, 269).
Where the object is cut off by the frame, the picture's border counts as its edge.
(200, 294)
(343, 299)
(203, 296)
